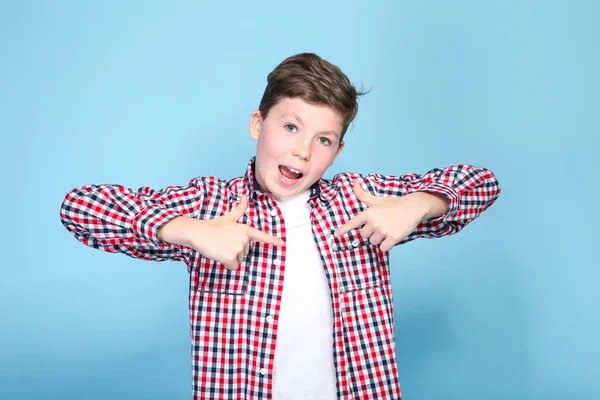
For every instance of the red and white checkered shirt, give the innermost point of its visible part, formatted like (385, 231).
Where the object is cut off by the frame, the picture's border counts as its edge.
(234, 314)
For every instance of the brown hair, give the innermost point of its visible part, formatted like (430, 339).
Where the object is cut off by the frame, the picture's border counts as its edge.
(315, 80)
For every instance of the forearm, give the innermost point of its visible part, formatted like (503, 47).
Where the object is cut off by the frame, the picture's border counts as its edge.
(433, 205)
(114, 218)
(178, 230)
(468, 190)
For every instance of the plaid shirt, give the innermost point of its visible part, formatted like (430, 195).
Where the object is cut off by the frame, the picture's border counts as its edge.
(234, 314)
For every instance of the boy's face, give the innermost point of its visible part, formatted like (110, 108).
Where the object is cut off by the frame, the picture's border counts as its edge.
(297, 142)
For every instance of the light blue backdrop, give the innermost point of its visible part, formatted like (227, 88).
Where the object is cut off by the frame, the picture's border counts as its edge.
(151, 93)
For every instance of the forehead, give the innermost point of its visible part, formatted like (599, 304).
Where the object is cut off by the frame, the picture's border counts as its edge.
(319, 116)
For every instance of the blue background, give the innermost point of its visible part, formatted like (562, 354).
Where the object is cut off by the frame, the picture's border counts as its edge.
(146, 93)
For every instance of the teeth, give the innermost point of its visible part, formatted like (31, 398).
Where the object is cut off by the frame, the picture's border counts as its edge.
(294, 170)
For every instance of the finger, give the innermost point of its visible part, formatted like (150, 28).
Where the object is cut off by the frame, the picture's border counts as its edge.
(358, 220)
(367, 231)
(363, 196)
(239, 210)
(240, 257)
(231, 265)
(387, 244)
(246, 249)
(259, 236)
(377, 238)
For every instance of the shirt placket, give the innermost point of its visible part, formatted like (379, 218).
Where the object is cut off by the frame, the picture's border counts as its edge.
(323, 230)
(268, 285)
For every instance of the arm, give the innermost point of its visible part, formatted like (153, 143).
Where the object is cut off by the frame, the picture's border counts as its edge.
(114, 218)
(470, 191)
(223, 239)
(438, 203)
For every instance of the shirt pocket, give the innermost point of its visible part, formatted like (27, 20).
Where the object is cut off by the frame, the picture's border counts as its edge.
(356, 263)
(214, 277)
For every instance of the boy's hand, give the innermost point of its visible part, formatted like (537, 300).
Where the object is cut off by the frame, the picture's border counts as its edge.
(389, 220)
(222, 239)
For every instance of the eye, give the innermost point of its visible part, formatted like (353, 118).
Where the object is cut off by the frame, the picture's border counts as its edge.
(291, 128)
(325, 141)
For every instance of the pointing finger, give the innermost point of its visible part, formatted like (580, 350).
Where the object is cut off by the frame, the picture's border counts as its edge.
(260, 236)
(354, 223)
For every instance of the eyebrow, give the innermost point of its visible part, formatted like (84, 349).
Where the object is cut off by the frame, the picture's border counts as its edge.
(298, 119)
(294, 116)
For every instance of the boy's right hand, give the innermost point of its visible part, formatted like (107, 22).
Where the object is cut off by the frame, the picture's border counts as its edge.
(222, 239)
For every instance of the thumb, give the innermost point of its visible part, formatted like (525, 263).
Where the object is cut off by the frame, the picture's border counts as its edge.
(363, 196)
(239, 210)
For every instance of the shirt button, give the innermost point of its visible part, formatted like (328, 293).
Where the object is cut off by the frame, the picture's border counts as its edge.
(269, 318)
(276, 262)
(273, 212)
(355, 243)
(263, 371)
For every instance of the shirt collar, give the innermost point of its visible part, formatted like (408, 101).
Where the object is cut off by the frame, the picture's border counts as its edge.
(322, 189)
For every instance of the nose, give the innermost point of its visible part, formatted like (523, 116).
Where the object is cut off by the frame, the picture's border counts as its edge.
(301, 150)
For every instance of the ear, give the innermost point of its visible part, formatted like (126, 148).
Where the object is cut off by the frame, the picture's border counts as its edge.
(340, 148)
(254, 125)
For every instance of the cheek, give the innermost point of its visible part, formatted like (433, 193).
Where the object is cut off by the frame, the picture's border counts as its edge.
(321, 161)
(273, 147)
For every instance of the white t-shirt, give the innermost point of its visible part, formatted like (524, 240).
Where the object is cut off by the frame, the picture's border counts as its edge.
(304, 368)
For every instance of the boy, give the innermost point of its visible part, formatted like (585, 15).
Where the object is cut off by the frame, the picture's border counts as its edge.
(290, 296)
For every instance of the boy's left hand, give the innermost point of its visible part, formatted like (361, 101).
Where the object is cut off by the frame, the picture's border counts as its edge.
(388, 220)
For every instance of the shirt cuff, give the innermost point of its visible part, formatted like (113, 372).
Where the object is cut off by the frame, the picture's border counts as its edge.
(149, 220)
(447, 191)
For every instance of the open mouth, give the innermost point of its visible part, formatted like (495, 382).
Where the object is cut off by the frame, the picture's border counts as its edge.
(290, 173)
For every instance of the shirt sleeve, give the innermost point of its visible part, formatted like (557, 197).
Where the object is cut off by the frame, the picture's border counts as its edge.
(470, 190)
(117, 219)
